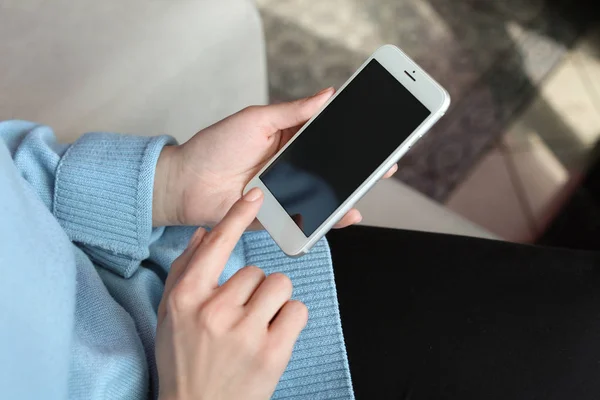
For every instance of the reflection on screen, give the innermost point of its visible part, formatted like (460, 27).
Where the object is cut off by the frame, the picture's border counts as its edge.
(342, 147)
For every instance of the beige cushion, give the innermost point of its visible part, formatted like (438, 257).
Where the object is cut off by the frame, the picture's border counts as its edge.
(138, 66)
(392, 204)
(157, 66)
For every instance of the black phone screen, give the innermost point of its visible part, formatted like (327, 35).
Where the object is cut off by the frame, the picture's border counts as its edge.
(342, 147)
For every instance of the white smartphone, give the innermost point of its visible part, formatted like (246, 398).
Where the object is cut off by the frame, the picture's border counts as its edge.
(337, 156)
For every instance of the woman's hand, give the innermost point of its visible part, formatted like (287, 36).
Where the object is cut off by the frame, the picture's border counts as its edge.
(229, 342)
(197, 182)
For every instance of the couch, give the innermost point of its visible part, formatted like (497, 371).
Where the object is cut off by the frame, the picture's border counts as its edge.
(151, 67)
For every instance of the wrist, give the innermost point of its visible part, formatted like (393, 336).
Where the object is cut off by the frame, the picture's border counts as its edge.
(167, 192)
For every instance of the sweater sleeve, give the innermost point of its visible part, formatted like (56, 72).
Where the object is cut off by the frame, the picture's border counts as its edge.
(99, 188)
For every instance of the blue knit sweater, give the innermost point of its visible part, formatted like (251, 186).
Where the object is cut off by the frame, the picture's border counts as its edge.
(82, 270)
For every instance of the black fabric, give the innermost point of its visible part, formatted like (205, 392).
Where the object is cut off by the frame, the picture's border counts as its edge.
(577, 226)
(430, 316)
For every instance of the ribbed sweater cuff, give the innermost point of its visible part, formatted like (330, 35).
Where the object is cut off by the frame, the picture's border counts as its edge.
(319, 366)
(103, 196)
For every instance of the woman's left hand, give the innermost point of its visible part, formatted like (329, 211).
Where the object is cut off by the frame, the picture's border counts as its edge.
(197, 183)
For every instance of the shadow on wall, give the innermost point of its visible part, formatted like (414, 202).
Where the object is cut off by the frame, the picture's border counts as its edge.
(491, 56)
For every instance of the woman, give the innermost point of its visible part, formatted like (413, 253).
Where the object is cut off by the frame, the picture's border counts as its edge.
(85, 254)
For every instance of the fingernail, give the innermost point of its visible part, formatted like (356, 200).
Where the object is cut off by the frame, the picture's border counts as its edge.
(253, 195)
(323, 91)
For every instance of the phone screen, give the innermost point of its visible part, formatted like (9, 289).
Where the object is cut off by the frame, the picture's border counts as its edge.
(342, 147)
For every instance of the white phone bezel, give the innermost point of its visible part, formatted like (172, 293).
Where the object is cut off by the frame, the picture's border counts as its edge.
(431, 94)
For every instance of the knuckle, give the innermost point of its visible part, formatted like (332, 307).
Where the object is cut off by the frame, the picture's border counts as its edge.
(253, 271)
(281, 283)
(180, 299)
(251, 108)
(302, 102)
(211, 318)
(299, 311)
(216, 237)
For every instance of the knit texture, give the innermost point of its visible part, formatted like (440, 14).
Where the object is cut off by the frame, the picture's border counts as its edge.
(100, 184)
(85, 274)
(318, 368)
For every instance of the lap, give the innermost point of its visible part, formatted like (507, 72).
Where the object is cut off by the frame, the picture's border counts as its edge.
(438, 316)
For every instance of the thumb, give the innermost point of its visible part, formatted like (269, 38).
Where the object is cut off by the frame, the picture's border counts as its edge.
(290, 114)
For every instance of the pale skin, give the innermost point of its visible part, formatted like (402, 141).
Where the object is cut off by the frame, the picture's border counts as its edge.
(224, 342)
(197, 182)
(231, 341)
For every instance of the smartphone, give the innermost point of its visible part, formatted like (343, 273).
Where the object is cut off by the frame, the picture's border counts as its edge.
(338, 155)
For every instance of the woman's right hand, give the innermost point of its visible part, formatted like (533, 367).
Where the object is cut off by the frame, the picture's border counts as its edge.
(224, 342)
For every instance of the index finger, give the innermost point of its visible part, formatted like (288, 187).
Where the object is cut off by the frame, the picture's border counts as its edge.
(212, 254)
